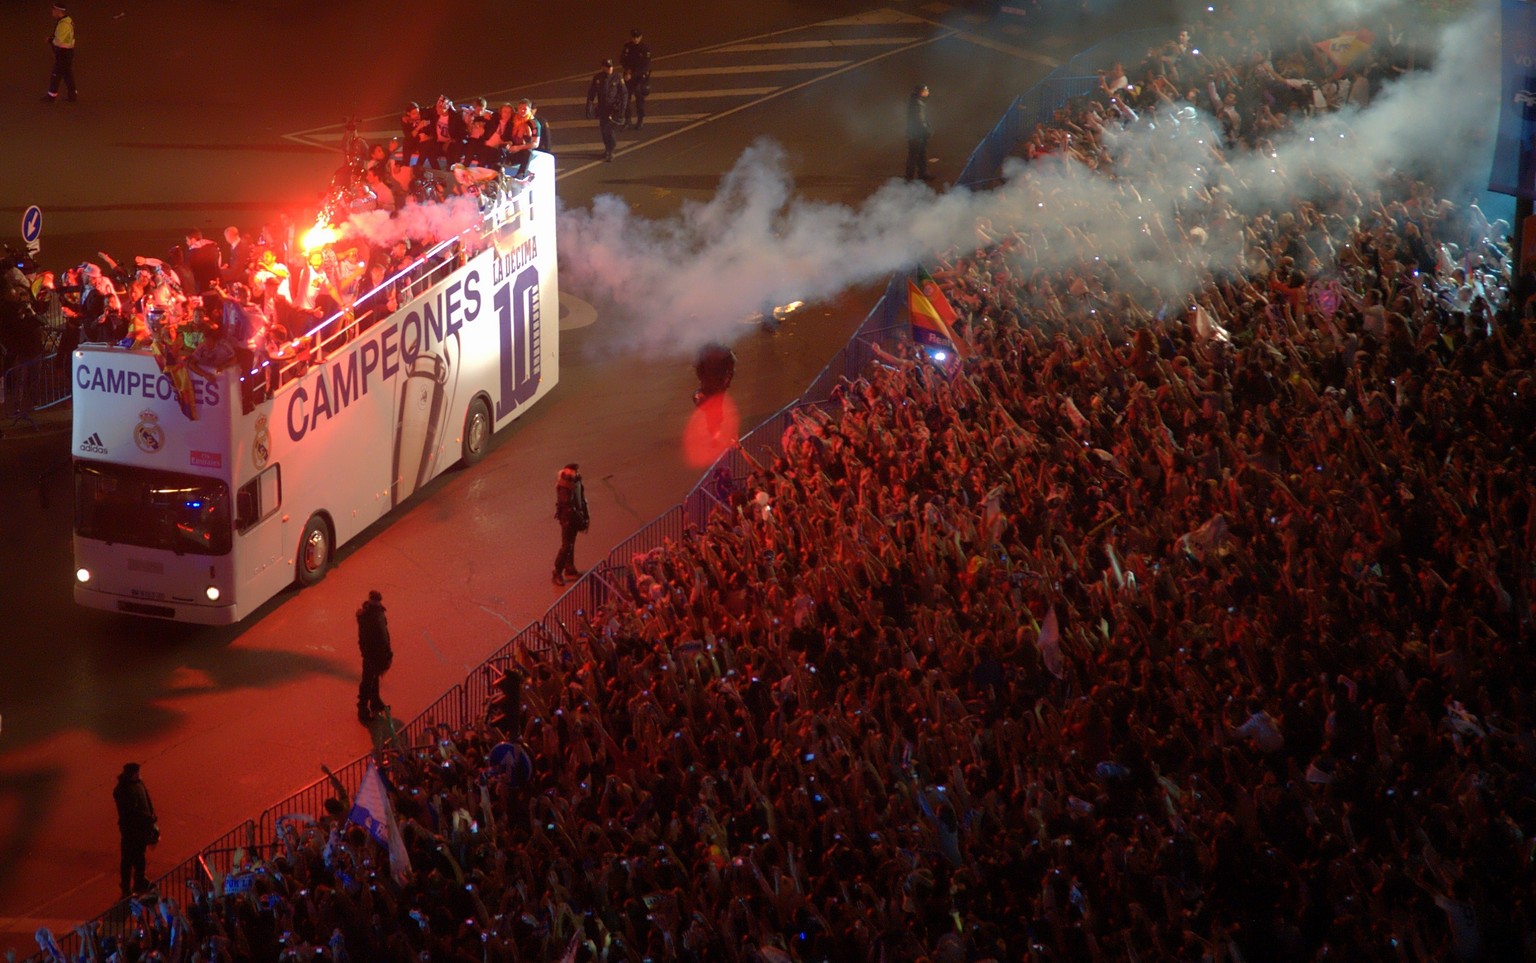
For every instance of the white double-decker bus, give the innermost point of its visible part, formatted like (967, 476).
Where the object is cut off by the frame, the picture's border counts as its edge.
(203, 520)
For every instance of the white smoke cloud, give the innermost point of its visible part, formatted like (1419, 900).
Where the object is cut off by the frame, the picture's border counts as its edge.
(416, 222)
(1403, 19)
(676, 283)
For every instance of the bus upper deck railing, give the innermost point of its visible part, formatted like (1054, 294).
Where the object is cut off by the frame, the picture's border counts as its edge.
(334, 332)
(41, 383)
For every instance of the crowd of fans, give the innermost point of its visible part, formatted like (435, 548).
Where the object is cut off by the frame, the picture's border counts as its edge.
(1186, 629)
(448, 136)
(262, 302)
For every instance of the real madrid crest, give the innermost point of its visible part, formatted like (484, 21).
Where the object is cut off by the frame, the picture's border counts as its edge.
(148, 434)
(261, 448)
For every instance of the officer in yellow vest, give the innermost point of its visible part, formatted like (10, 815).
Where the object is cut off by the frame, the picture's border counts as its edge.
(63, 43)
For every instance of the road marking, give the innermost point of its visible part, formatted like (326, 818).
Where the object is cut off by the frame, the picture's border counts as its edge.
(816, 44)
(749, 68)
(651, 118)
(492, 612)
(1007, 48)
(575, 313)
(717, 92)
(330, 134)
(942, 33)
(29, 924)
(432, 644)
(874, 17)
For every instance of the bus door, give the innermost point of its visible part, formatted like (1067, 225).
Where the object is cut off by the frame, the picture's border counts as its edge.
(262, 529)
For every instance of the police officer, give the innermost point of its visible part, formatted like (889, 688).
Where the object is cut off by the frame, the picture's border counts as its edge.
(62, 41)
(608, 97)
(571, 513)
(636, 61)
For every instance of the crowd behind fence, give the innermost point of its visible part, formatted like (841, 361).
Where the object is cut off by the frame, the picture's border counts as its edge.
(1040, 102)
(883, 329)
(214, 866)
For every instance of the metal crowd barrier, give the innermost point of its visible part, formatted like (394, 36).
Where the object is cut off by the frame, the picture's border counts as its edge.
(1041, 101)
(222, 856)
(448, 710)
(30, 387)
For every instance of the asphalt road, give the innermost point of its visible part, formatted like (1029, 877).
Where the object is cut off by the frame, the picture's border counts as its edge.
(224, 114)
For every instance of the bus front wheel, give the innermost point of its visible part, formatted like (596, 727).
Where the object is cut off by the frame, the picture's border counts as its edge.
(314, 552)
(477, 432)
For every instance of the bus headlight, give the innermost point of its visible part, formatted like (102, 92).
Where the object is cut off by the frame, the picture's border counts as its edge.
(213, 593)
(82, 575)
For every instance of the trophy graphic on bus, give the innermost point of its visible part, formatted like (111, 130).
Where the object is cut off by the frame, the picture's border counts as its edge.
(422, 403)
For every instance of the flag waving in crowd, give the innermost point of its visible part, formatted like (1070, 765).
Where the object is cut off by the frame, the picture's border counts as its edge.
(372, 811)
(1343, 50)
(933, 319)
(174, 367)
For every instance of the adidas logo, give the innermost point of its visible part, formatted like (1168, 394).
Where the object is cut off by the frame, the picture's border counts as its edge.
(93, 445)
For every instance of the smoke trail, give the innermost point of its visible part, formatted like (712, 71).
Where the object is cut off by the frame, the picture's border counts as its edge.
(416, 222)
(691, 278)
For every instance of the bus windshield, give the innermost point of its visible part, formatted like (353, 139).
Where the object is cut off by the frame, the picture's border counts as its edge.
(184, 514)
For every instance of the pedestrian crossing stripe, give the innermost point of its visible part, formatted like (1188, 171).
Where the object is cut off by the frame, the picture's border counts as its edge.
(874, 18)
(750, 68)
(780, 45)
(877, 48)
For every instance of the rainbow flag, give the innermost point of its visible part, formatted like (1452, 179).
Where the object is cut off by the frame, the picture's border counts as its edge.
(933, 319)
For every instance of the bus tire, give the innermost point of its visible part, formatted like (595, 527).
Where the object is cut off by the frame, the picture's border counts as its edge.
(314, 557)
(477, 432)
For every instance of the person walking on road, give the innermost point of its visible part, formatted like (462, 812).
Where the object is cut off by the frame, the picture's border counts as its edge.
(571, 513)
(373, 643)
(917, 133)
(607, 96)
(635, 58)
(63, 43)
(138, 827)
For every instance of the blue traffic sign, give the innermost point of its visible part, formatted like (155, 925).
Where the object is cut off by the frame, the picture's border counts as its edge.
(32, 224)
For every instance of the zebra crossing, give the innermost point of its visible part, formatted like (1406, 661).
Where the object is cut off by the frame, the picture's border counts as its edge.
(695, 87)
